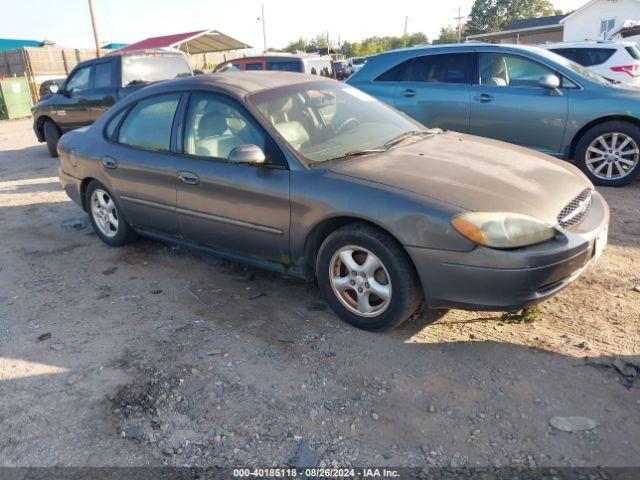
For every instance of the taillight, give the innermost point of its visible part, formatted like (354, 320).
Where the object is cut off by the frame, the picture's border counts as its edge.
(633, 70)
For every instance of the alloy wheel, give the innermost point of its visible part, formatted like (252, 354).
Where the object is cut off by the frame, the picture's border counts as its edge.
(104, 212)
(612, 156)
(360, 281)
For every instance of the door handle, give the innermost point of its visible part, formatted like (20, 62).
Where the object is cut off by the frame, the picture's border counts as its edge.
(188, 178)
(109, 162)
(409, 92)
(483, 98)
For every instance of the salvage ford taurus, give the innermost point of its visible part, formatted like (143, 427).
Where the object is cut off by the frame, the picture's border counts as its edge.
(312, 177)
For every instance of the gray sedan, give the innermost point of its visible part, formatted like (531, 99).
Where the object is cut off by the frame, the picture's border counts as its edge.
(313, 178)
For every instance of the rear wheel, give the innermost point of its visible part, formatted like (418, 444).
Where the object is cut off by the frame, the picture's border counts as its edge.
(609, 153)
(106, 216)
(367, 278)
(51, 136)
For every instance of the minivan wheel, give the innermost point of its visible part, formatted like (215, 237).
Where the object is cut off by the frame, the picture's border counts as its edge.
(367, 278)
(609, 153)
(51, 136)
(106, 216)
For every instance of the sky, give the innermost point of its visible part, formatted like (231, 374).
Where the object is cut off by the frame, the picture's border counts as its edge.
(127, 21)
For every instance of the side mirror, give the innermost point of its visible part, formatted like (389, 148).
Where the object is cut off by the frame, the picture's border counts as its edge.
(252, 154)
(54, 88)
(552, 82)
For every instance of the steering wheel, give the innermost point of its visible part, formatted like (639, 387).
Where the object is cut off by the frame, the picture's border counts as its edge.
(348, 124)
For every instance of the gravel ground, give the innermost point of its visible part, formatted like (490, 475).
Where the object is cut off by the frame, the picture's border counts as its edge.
(152, 354)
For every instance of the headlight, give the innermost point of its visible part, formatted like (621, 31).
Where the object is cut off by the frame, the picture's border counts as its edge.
(501, 229)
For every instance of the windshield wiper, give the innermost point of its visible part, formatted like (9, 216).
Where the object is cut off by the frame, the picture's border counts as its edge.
(355, 153)
(403, 136)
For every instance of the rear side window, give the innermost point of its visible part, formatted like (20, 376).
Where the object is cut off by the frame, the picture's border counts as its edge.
(633, 51)
(149, 123)
(102, 75)
(253, 66)
(113, 124)
(587, 57)
(446, 68)
(399, 73)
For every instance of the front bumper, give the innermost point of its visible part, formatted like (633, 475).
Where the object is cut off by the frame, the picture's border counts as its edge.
(503, 280)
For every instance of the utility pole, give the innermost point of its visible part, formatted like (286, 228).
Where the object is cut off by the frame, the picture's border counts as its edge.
(264, 29)
(459, 19)
(406, 21)
(95, 28)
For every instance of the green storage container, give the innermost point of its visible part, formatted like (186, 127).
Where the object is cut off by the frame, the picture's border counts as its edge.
(15, 101)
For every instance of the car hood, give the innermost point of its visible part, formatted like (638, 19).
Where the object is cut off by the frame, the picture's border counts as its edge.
(474, 173)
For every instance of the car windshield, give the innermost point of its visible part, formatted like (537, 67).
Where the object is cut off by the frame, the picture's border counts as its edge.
(143, 69)
(358, 60)
(329, 120)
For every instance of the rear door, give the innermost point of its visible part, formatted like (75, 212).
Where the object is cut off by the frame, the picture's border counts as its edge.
(103, 91)
(139, 165)
(437, 90)
(508, 104)
(238, 208)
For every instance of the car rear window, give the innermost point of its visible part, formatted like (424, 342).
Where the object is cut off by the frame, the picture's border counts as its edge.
(144, 69)
(285, 66)
(587, 57)
(633, 51)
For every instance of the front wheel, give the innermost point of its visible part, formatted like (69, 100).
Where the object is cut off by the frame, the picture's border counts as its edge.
(52, 137)
(609, 153)
(106, 216)
(367, 278)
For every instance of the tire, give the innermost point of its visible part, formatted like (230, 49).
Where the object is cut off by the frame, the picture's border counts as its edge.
(622, 168)
(51, 136)
(106, 217)
(395, 275)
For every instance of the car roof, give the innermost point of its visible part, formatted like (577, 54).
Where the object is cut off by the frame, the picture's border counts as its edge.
(281, 56)
(587, 44)
(240, 82)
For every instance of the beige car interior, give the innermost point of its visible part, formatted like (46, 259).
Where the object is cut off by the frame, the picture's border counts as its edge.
(495, 74)
(218, 130)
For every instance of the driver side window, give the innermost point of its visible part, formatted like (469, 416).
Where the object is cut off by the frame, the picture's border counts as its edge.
(500, 70)
(79, 81)
(214, 126)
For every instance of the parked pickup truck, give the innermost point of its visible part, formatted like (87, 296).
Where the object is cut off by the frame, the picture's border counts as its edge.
(93, 86)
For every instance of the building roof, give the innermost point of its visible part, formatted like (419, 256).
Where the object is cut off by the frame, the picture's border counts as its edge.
(13, 43)
(583, 7)
(114, 46)
(525, 23)
(201, 41)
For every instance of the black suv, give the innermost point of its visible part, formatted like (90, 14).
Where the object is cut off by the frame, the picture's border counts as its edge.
(93, 86)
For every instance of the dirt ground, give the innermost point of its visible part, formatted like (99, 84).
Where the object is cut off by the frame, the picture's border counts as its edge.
(158, 355)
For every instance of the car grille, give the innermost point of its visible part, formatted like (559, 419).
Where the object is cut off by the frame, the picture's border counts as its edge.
(575, 210)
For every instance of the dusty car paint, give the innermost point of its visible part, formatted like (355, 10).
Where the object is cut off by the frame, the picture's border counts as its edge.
(275, 215)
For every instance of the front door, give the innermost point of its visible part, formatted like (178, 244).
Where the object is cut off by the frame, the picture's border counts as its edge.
(438, 90)
(72, 111)
(237, 208)
(508, 104)
(139, 166)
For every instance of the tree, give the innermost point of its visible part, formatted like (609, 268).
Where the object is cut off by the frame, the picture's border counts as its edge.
(449, 34)
(492, 15)
(297, 46)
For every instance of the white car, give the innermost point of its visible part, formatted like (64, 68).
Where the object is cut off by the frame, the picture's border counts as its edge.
(618, 61)
(356, 63)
